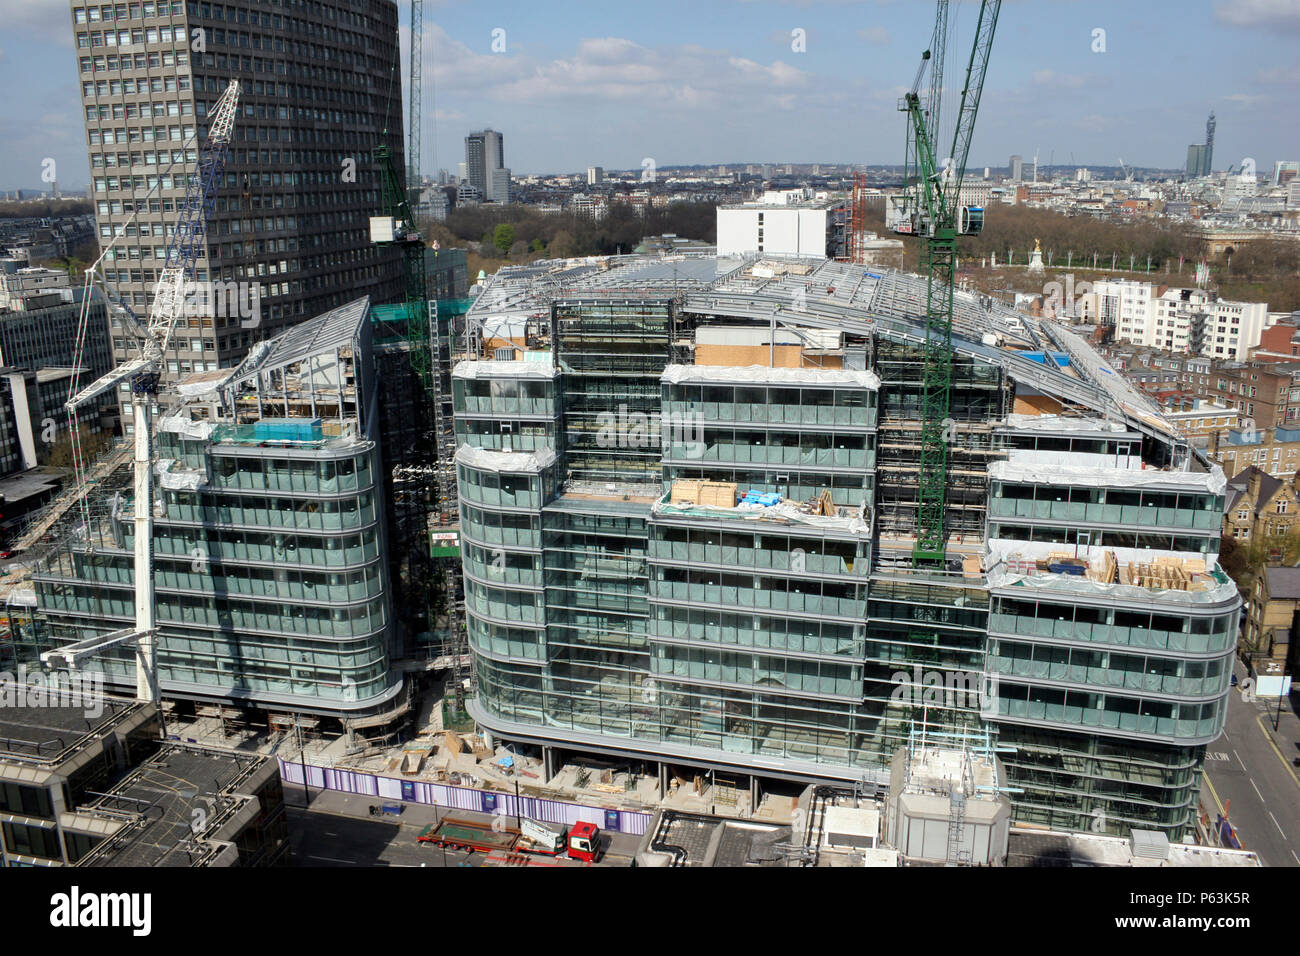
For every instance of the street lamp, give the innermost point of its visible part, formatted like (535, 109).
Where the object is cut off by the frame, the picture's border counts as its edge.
(1281, 690)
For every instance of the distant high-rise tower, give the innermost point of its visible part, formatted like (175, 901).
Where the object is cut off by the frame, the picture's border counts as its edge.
(1209, 145)
(1200, 156)
(484, 155)
(1015, 168)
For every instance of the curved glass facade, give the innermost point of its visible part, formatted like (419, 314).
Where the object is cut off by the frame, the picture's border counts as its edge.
(606, 609)
(269, 538)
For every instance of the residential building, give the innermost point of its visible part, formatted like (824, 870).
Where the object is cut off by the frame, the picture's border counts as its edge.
(710, 566)
(595, 175)
(1015, 168)
(1181, 320)
(1202, 421)
(1269, 634)
(1260, 508)
(270, 545)
(291, 215)
(1280, 342)
(1275, 451)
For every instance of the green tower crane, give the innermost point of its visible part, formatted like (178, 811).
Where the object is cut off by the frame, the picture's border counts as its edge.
(931, 210)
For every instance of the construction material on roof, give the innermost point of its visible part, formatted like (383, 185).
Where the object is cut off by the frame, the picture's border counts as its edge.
(718, 494)
(686, 491)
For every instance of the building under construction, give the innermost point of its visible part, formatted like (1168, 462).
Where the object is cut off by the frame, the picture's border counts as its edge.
(689, 505)
(270, 548)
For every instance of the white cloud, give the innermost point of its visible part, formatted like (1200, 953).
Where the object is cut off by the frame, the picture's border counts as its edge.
(1068, 81)
(1285, 75)
(877, 36)
(41, 20)
(1270, 14)
(608, 69)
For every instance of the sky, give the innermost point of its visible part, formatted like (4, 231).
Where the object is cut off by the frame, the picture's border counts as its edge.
(576, 83)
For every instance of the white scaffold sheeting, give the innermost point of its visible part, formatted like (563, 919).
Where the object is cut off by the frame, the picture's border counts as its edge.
(1041, 473)
(181, 425)
(1000, 577)
(26, 597)
(763, 375)
(511, 462)
(999, 574)
(785, 512)
(183, 479)
(485, 368)
(1062, 423)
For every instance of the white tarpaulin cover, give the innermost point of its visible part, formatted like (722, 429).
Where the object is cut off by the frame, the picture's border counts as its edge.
(1043, 473)
(183, 426)
(1062, 423)
(512, 462)
(179, 478)
(1000, 576)
(492, 369)
(762, 374)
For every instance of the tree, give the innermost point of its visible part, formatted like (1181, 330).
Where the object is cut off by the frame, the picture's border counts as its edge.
(563, 245)
(58, 454)
(538, 245)
(503, 237)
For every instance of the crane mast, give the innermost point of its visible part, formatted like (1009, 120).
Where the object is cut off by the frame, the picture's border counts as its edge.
(413, 122)
(932, 211)
(142, 374)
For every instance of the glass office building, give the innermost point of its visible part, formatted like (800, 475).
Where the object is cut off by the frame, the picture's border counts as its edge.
(718, 574)
(270, 542)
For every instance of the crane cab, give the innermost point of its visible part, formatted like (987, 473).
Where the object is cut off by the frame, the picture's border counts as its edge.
(971, 221)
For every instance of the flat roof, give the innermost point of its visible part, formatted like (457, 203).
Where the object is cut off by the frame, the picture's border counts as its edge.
(166, 791)
(1051, 848)
(43, 733)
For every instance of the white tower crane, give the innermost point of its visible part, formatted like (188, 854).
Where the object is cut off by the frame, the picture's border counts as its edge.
(143, 373)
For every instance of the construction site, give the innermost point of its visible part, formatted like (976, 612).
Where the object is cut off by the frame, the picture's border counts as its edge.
(770, 559)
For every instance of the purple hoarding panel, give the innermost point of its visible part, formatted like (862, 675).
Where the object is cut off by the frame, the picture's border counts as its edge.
(464, 798)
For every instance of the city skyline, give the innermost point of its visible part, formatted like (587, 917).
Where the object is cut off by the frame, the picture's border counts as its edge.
(777, 82)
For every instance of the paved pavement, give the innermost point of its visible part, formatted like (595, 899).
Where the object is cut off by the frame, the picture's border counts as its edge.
(1250, 771)
(338, 830)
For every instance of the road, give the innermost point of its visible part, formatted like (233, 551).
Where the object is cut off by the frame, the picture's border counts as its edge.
(1248, 775)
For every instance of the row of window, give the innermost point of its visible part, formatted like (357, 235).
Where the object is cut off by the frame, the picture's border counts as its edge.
(128, 11)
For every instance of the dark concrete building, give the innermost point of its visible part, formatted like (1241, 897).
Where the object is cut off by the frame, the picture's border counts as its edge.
(292, 210)
(89, 782)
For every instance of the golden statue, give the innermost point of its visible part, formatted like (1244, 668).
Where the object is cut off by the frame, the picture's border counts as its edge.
(1037, 247)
